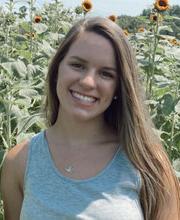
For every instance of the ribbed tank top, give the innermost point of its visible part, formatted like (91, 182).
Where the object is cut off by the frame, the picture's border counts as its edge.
(113, 194)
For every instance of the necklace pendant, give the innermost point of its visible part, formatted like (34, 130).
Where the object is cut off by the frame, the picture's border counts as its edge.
(69, 169)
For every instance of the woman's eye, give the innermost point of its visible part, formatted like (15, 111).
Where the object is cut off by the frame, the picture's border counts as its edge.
(77, 65)
(106, 74)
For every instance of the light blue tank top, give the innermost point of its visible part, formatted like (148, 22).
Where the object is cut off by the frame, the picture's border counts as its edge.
(113, 194)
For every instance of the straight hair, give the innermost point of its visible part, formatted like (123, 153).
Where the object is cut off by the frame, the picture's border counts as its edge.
(128, 115)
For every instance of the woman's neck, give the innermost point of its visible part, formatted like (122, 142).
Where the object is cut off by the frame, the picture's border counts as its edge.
(81, 133)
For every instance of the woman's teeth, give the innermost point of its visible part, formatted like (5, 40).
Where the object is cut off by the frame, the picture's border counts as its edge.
(83, 97)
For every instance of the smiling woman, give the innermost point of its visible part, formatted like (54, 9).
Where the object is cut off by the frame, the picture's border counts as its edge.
(86, 83)
(99, 157)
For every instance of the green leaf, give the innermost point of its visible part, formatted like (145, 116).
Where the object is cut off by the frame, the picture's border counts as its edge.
(7, 66)
(31, 69)
(19, 68)
(25, 54)
(2, 156)
(16, 111)
(40, 28)
(151, 102)
(23, 102)
(173, 52)
(27, 122)
(171, 17)
(66, 26)
(20, 38)
(140, 36)
(176, 137)
(160, 91)
(162, 81)
(165, 28)
(46, 48)
(177, 107)
(168, 104)
(142, 61)
(1, 216)
(176, 165)
(177, 174)
(24, 27)
(5, 144)
(160, 50)
(53, 36)
(28, 92)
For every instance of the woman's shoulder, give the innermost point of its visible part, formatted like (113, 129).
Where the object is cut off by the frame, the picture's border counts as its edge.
(18, 153)
(15, 162)
(16, 159)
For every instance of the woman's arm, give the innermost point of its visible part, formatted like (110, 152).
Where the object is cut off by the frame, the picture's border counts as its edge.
(12, 176)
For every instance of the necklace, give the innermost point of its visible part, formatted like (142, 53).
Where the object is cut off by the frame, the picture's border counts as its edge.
(69, 169)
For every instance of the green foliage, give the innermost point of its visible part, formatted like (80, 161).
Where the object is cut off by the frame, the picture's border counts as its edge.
(25, 49)
(174, 11)
(176, 165)
(171, 19)
(131, 23)
(146, 12)
(1, 211)
(158, 59)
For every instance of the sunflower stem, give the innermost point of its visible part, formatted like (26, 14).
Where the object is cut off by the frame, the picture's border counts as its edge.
(31, 28)
(152, 62)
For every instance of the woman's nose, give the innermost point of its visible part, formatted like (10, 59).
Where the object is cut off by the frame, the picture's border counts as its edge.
(88, 80)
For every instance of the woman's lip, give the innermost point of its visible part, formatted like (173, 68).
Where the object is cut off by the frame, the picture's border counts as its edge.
(83, 94)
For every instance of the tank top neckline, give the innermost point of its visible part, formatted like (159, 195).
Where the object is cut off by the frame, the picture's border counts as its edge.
(73, 180)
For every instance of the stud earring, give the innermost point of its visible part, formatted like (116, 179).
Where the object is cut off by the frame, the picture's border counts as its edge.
(115, 98)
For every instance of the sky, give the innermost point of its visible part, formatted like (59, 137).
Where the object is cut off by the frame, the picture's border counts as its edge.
(108, 7)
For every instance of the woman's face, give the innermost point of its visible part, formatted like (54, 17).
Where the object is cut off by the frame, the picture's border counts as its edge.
(87, 78)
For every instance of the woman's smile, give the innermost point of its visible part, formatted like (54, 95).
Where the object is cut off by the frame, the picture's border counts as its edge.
(86, 99)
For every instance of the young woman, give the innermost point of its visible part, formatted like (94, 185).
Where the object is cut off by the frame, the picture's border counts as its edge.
(99, 158)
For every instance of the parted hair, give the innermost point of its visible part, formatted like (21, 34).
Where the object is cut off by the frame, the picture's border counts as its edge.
(128, 115)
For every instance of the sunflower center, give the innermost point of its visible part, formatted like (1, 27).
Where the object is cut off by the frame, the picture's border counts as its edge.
(87, 5)
(162, 3)
(155, 18)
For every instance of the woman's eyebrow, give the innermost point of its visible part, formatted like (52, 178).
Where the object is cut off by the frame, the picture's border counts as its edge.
(79, 58)
(110, 68)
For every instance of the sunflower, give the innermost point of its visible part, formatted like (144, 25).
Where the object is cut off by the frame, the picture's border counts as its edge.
(173, 41)
(153, 17)
(141, 29)
(113, 18)
(87, 5)
(126, 32)
(37, 19)
(161, 5)
(30, 35)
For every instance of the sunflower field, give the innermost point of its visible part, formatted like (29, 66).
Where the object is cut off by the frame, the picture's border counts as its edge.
(29, 37)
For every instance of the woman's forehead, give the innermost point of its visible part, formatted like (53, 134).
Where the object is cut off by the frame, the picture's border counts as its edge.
(91, 45)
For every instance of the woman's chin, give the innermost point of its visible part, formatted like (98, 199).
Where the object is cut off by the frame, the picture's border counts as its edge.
(82, 116)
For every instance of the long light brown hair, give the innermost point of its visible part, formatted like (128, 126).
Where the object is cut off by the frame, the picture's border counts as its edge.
(127, 115)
